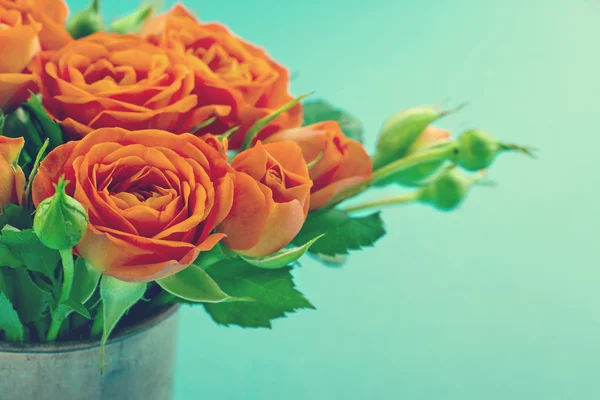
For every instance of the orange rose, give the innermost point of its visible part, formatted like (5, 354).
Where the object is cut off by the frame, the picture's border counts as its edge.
(153, 198)
(229, 71)
(107, 80)
(12, 179)
(344, 162)
(26, 27)
(270, 200)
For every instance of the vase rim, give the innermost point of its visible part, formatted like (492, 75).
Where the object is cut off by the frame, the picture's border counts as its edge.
(77, 345)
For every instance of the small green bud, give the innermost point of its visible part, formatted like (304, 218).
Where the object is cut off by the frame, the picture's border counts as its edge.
(133, 22)
(86, 22)
(448, 190)
(60, 221)
(477, 150)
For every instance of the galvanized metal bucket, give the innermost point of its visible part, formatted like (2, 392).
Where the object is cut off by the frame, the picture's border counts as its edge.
(139, 364)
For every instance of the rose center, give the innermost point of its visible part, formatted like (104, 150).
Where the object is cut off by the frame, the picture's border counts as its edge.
(276, 180)
(226, 66)
(136, 186)
(104, 70)
(274, 176)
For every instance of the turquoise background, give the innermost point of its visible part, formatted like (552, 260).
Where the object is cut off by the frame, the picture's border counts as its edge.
(498, 300)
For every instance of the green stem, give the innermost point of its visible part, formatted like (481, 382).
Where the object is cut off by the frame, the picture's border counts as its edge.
(404, 198)
(68, 272)
(434, 154)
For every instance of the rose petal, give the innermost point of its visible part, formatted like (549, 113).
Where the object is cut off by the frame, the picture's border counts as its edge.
(247, 219)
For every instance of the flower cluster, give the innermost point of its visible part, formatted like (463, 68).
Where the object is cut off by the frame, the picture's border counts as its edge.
(166, 159)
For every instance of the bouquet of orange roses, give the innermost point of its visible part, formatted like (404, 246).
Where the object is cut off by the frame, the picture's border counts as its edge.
(161, 160)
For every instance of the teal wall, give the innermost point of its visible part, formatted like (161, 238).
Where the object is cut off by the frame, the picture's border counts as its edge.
(498, 300)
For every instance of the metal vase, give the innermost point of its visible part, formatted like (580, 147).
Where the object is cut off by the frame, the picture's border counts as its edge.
(139, 365)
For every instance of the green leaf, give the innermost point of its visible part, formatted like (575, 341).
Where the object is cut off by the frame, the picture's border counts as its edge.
(117, 297)
(6, 285)
(23, 248)
(343, 232)
(31, 302)
(85, 281)
(2, 120)
(194, 284)
(72, 305)
(273, 290)
(18, 124)
(320, 110)
(9, 321)
(46, 126)
(263, 122)
(213, 256)
(18, 216)
(281, 258)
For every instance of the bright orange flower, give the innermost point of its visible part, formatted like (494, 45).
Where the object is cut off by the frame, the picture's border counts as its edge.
(343, 162)
(229, 72)
(270, 201)
(153, 198)
(107, 80)
(12, 179)
(26, 27)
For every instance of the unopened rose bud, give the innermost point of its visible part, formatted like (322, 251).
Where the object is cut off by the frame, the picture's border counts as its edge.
(86, 22)
(133, 22)
(407, 133)
(60, 221)
(448, 190)
(401, 131)
(476, 150)
(431, 136)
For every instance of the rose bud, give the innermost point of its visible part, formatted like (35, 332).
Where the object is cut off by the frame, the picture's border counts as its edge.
(270, 201)
(12, 179)
(447, 191)
(431, 136)
(476, 150)
(60, 221)
(337, 162)
(86, 21)
(400, 132)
